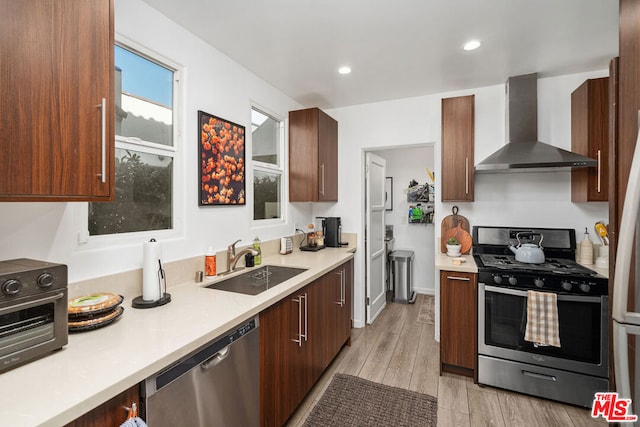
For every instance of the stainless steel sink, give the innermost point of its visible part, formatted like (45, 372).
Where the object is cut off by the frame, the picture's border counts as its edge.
(257, 280)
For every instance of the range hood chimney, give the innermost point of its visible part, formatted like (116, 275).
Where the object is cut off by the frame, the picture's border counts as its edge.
(523, 152)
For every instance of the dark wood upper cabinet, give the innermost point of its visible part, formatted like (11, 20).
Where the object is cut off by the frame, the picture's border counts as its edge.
(457, 148)
(589, 137)
(56, 100)
(313, 156)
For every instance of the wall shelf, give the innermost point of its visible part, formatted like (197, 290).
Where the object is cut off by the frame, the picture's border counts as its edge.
(424, 196)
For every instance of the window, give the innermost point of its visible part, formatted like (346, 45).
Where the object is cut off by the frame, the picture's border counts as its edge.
(266, 137)
(145, 148)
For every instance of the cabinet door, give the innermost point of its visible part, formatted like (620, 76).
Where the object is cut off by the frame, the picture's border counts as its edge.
(283, 360)
(327, 158)
(347, 307)
(321, 326)
(457, 148)
(333, 285)
(313, 156)
(110, 413)
(56, 86)
(303, 155)
(589, 137)
(458, 322)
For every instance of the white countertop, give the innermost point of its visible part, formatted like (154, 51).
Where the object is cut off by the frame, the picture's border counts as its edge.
(445, 262)
(97, 365)
(601, 271)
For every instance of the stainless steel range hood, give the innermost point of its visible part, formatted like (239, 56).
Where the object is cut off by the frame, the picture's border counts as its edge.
(523, 152)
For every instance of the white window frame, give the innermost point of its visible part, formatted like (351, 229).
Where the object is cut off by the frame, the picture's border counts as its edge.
(270, 168)
(84, 240)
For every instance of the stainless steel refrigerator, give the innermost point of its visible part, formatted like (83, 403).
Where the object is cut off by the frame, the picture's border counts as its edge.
(626, 295)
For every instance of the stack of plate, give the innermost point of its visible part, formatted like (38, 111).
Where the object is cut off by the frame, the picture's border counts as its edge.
(94, 311)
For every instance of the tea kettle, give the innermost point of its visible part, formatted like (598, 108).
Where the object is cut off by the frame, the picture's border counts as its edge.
(529, 253)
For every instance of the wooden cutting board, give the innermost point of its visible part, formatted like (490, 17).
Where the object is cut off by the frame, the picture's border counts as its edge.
(455, 226)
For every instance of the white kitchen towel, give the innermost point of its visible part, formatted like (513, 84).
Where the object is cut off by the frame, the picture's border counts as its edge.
(542, 319)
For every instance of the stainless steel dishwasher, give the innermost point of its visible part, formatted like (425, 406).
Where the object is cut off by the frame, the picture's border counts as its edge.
(217, 385)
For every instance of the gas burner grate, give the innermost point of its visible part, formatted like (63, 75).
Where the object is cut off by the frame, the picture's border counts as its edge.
(552, 265)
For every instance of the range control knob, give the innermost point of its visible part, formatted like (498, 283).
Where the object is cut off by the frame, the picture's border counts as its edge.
(538, 282)
(566, 286)
(497, 279)
(45, 280)
(512, 280)
(11, 287)
(585, 288)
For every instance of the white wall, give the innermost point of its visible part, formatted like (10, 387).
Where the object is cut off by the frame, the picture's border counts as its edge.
(211, 82)
(534, 199)
(405, 164)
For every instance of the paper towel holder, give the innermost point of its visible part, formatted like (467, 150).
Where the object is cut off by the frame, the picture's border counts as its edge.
(140, 302)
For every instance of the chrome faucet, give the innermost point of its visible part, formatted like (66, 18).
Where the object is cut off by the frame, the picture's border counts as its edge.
(232, 257)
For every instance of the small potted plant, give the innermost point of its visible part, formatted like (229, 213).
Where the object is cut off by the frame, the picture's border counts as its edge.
(453, 247)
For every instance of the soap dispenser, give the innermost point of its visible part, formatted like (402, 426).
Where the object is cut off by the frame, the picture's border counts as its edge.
(586, 249)
(257, 259)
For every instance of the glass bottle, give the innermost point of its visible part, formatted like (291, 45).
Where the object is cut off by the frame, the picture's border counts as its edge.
(257, 259)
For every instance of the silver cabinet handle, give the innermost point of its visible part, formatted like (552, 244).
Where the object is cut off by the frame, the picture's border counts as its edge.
(322, 180)
(306, 318)
(466, 175)
(343, 283)
(341, 301)
(464, 279)
(599, 156)
(299, 301)
(103, 114)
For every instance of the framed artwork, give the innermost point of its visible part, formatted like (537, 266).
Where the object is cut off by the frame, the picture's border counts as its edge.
(222, 164)
(388, 193)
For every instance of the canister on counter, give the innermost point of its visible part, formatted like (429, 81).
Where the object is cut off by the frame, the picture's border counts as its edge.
(210, 262)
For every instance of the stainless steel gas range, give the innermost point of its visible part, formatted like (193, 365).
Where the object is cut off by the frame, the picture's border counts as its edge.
(571, 373)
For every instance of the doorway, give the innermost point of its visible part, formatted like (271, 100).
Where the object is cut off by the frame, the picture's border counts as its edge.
(403, 165)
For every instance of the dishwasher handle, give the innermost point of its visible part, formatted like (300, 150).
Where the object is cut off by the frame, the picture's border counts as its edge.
(216, 358)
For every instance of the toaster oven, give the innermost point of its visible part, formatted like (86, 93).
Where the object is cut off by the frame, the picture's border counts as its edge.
(33, 310)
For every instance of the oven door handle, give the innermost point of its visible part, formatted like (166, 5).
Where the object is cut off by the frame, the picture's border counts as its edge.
(516, 292)
(27, 304)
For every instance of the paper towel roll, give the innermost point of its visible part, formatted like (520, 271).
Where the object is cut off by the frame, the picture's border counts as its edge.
(151, 262)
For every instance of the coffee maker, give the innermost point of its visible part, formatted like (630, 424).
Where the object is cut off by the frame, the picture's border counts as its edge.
(332, 230)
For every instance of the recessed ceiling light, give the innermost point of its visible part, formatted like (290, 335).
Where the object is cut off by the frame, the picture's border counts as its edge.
(472, 45)
(344, 70)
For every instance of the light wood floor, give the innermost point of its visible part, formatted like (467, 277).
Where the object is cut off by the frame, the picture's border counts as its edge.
(398, 351)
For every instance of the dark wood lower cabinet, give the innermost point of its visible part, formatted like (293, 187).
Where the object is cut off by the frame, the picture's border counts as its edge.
(458, 322)
(299, 337)
(111, 413)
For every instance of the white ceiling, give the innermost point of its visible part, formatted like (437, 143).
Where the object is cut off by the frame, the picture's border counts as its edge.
(400, 48)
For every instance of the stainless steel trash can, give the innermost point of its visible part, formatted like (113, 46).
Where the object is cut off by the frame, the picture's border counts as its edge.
(402, 269)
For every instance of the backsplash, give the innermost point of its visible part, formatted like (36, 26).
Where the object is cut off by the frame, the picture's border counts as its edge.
(129, 283)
